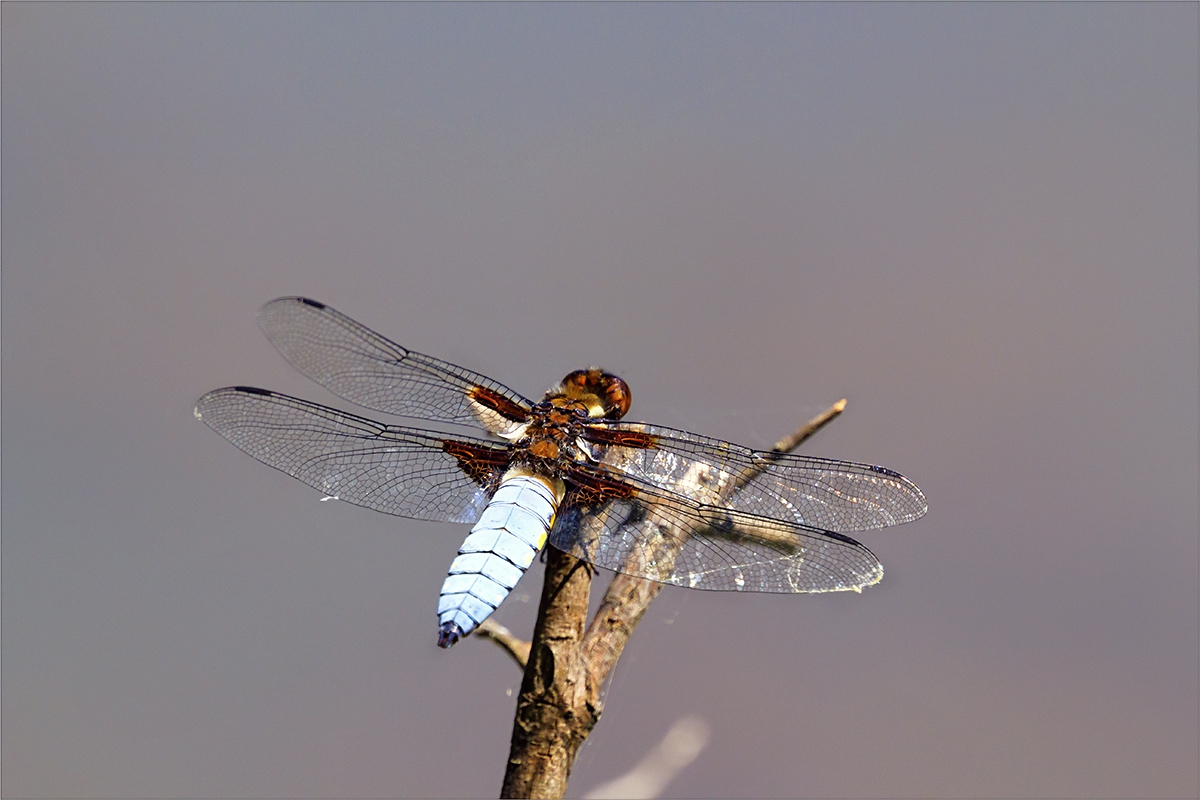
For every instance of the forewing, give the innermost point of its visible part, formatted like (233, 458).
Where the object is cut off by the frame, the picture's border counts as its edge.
(666, 538)
(396, 470)
(820, 493)
(355, 363)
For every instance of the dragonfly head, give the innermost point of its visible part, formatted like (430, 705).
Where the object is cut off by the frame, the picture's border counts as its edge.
(604, 394)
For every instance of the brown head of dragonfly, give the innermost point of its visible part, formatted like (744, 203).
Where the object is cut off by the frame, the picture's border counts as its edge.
(601, 393)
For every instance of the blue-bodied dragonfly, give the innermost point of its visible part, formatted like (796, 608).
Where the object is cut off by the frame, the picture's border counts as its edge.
(646, 500)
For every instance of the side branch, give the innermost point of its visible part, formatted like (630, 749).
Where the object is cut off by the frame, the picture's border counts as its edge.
(628, 598)
(797, 437)
(505, 639)
(560, 701)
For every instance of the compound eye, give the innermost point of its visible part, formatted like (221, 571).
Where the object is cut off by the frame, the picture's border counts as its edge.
(616, 396)
(579, 382)
(605, 394)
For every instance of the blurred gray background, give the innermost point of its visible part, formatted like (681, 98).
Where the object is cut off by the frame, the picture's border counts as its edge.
(978, 223)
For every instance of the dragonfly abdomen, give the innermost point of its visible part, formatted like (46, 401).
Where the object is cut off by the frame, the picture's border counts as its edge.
(510, 532)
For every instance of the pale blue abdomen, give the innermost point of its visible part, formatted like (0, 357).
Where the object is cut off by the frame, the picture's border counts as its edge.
(509, 534)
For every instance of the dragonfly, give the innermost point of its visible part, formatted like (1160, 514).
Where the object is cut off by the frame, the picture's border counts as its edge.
(645, 500)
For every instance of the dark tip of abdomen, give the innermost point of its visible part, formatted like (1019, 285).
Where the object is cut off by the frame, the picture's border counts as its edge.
(449, 634)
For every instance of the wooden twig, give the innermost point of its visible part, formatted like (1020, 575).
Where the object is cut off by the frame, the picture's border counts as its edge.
(560, 700)
(555, 712)
(683, 742)
(797, 437)
(628, 597)
(506, 640)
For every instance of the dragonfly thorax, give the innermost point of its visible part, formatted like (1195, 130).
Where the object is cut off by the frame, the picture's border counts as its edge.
(550, 439)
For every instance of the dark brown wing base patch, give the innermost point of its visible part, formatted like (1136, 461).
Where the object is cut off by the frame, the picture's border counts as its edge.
(480, 464)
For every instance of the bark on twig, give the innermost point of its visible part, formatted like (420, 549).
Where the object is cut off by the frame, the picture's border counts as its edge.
(560, 700)
(555, 710)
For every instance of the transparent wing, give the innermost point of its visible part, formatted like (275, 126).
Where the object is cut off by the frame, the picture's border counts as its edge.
(667, 538)
(359, 365)
(822, 493)
(401, 471)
